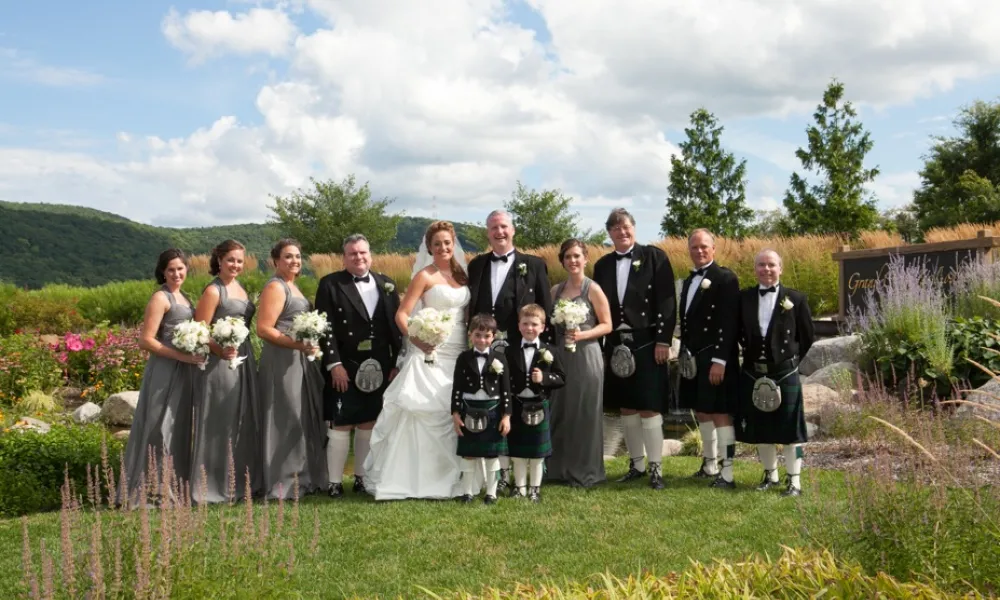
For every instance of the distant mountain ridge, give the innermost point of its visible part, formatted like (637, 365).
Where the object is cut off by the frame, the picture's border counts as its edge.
(75, 245)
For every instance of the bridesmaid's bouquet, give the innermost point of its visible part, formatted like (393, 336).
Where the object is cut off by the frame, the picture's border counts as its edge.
(432, 327)
(309, 327)
(570, 315)
(231, 332)
(192, 337)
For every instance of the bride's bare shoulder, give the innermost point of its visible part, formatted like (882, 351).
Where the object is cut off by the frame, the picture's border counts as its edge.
(425, 277)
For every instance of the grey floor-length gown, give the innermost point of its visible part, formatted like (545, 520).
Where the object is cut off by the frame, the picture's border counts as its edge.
(578, 408)
(225, 411)
(162, 419)
(291, 397)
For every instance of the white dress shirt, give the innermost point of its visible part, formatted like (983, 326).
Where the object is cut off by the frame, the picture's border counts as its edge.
(621, 272)
(765, 307)
(693, 288)
(529, 353)
(498, 273)
(369, 293)
(481, 361)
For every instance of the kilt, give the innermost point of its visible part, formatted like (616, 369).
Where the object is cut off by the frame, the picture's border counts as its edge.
(529, 441)
(786, 425)
(647, 388)
(356, 407)
(700, 395)
(488, 443)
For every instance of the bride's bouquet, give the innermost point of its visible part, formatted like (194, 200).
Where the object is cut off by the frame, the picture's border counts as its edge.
(432, 327)
(309, 327)
(192, 337)
(231, 332)
(570, 315)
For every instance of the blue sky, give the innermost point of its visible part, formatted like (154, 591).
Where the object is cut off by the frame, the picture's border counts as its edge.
(103, 101)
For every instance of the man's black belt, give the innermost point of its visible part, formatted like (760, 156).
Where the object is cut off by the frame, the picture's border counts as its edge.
(632, 338)
(760, 369)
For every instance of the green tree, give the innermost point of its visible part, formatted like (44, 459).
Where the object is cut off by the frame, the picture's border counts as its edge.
(768, 224)
(836, 151)
(707, 186)
(961, 174)
(323, 216)
(544, 218)
(902, 220)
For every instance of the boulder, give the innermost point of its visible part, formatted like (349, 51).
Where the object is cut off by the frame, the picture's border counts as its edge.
(829, 351)
(988, 396)
(87, 413)
(119, 408)
(122, 435)
(816, 398)
(68, 394)
(31, 424)
(812, 430)
(672, 447)
(838, 376)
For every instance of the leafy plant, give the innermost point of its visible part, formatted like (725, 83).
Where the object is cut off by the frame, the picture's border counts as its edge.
(26, 364)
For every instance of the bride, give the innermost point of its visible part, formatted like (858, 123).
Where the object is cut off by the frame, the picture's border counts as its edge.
(413, 444)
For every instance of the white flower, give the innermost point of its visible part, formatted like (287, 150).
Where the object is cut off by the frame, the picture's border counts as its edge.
(496, 366)
(388, 287)
(431, 327)
(706, 283)
(787, 304)
(545, 356)
(522, 268)
(309, 327)
(570, 314)
(636, 264)
(192, 337)
(231, 332)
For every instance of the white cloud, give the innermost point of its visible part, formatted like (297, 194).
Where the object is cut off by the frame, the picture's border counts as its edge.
(16, 65)
(203, 34)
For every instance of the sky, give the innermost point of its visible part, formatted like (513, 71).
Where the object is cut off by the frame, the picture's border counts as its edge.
(194, 113)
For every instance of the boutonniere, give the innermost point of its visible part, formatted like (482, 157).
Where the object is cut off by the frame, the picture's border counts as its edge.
(388, 287)
(636, 264)
(787, 304)
(545, 356)
(496, 366)
(522, 269)
(706, 283)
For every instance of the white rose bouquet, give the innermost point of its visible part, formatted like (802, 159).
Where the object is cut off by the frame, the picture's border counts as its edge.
(309, 327)
(570, 315)
(431, 327)
(231, 332)
(192, 337)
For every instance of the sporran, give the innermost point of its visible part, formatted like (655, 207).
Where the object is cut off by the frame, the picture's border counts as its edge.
(766, 395)
(476, 419)
(622, 361)
(532, 413)
(369, 377)
(687, 365)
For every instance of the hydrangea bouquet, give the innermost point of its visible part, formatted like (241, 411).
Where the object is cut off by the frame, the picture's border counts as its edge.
(431, 327)
(570, 315)
(309, 327)
(192, 337)
(231, 332)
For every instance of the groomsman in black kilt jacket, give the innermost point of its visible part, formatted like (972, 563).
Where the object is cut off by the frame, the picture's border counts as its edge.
(359, 356)
(501, 282)
(639, 282)
(709, 355)
(776, 331)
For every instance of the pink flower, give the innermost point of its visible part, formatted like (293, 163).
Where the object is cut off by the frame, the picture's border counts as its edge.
(63, 357)
(74, 345)
(88, 344)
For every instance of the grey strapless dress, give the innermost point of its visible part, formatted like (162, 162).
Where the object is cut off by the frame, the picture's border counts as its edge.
(225, 410)
(162, 420)
(291, 399)
(578, 408)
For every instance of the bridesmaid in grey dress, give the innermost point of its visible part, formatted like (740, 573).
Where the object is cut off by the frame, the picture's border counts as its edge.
(225, 407)
(290, 386)
(162, 419)
(578, 408)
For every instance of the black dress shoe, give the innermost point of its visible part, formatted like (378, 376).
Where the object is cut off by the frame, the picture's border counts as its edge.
(466, 498)
(515, 492)
(722, 484)
(359, 485)
(655, 478)
(490, 499)
(335, 490)
(632, 474)
(791, 490)
(702, 473)
(535, 495)
(766, 483)
(502, 483)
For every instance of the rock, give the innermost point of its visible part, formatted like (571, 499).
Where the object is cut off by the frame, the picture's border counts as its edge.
(87, 413)
(67, 394)
(672, 447)
(119, 408)
(987, 395)
(838, 376)
(812, 429)
(31, 424)
(123, 434)
(829, 351)
(50, 339)
(816, 398)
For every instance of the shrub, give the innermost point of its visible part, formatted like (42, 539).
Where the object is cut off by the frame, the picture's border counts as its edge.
(26, 364)
(37, 402)
(24, 311)
(974, 339)
(118, 363)
(117, 303)
(972, 281)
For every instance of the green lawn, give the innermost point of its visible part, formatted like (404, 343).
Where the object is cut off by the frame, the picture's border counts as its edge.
(388, 549)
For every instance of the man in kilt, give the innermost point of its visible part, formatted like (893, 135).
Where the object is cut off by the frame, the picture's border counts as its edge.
(709, 355)
(480, 399)
(776, 331)
(639, 282)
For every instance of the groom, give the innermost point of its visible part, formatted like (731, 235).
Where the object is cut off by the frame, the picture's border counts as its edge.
(359, 354)
(501, 282)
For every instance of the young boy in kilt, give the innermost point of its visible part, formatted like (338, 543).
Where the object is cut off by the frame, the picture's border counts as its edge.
(480, 408)
(534, 372)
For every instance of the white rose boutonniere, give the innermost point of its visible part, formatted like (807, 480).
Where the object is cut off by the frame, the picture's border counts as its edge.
(522, 269)
(787, 304)
(496, 366)
(388, 287)
(636, 264)
(545, 356)
(706, 283)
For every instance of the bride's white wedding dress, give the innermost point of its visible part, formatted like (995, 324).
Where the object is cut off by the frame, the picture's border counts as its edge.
(413, 443)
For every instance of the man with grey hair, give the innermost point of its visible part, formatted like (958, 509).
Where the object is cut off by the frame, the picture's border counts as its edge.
(359, 356)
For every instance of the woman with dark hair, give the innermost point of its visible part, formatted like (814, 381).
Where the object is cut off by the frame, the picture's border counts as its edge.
(225, 407)
(290, 387)
(578, 408)
(162, 423)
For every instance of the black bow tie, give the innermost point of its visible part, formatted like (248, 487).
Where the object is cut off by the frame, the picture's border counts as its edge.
(366, 278)
(624, 256)
(496, 258)
(529, 345)
(483, 354)
(764, 291)
(700, 271)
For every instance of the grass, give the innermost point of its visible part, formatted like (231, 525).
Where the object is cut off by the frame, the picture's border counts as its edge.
(387, 549)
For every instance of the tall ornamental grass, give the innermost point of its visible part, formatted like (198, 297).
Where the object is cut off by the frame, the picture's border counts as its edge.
(973, 284)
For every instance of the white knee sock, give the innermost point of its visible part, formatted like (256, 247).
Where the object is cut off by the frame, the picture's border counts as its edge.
(535, 471)
(768, 454)
(362, 442)
(709, 447)
(727, 445)
(793, 463)
(338, 446)
(492, 475)
(652, 438)
(634, 440)
(504, 462)
(520, 472)
(468, 475)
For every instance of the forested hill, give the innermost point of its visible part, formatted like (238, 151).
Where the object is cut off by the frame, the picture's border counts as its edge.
(56, 243)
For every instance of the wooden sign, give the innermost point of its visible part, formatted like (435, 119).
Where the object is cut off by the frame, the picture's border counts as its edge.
(860, 270)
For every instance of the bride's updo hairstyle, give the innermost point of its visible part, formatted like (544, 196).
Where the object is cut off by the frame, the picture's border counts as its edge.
(432, 230)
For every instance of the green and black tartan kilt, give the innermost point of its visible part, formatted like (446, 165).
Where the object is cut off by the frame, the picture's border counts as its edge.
(487, 443)
(786, 425)
(700, 395)
(529, 441)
